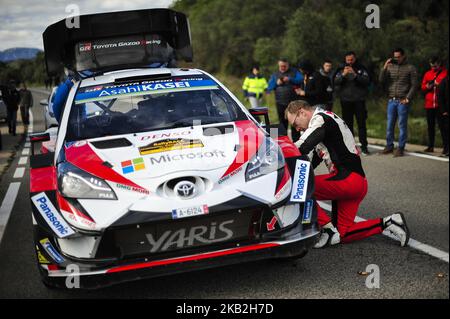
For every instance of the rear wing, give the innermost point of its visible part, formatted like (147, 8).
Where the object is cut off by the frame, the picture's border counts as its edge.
(110, 41)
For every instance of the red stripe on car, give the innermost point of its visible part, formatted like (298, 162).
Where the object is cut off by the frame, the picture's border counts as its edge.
(192, 258)
(284, 180)
(288, 148)
(43, 179)
(250, 138)
(85, 158)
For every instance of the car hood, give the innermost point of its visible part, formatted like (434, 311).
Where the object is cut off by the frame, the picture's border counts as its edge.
(137, 159)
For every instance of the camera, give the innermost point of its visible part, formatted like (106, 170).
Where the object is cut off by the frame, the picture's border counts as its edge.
(394, 61)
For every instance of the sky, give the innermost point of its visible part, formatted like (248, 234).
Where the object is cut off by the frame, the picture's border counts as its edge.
(22, 22)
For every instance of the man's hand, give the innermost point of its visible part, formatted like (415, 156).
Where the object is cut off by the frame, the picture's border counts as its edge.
(300, 92)
(348, 70)
(279, 82)
(389, 61)
(404, 101)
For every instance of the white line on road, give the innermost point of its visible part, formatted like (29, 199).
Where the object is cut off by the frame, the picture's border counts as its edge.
(26, 151)
(23, 160)
(27, 144)
(7, 205)
(20, 171)
(442, 159)
(427, 249)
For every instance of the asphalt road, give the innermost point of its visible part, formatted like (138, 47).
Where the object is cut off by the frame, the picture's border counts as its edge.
(419, 187)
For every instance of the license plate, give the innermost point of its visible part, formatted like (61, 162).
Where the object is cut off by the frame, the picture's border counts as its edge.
(190, 211)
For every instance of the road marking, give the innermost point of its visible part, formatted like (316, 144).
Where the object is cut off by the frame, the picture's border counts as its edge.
(427, 249)
(20, 171)
(7, 205)
(27, 144)
(26, 151)
(436, 158)
(23, 160)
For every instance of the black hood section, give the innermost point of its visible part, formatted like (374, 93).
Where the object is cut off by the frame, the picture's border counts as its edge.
(114, 143)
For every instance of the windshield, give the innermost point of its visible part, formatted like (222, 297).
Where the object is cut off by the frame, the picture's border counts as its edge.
(149, 105)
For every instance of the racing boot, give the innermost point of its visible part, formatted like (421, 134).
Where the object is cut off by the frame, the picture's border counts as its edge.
(396, 224)
(328, 237)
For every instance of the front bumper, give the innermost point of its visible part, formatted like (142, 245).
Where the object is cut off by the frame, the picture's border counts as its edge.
(294, 242)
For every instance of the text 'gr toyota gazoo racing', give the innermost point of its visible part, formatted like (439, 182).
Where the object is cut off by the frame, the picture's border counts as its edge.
(156, 169)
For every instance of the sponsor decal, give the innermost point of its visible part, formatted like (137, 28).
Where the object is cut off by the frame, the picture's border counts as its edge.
(282, 191)
(185, 237)
(41, 257)
(143, 89)
(227, 177)
(165, 135)
(170, 145)
(47, 245)
(300, 185)
(307, 211)
(133, 165)
(190, 211)
(51, 215)
(84, 47)
(132, 189)
(187, 156)
(271, 225)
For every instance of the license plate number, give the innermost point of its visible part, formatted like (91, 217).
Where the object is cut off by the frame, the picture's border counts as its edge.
(190, 211)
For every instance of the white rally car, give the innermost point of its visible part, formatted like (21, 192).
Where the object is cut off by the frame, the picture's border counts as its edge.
(162, 170)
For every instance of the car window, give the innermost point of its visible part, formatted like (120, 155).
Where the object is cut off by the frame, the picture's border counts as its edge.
(151, 105)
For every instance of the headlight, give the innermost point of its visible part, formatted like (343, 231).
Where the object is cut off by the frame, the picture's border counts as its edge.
(267, 159)
(76, 183)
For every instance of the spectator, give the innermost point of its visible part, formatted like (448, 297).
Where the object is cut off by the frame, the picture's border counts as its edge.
(314, 88)
(11, 100)
(401, 80)
(254, 87)
(351, 82)
(283, 82)
(443, 110)
(327, 71)
(26, 102)
(430, 84)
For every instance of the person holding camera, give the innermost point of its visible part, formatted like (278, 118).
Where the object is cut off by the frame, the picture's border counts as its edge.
(352, 84)
(283, 83)
(401, 80)
(430, 84)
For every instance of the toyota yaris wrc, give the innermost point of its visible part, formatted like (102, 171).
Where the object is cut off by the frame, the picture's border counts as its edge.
(162, 170)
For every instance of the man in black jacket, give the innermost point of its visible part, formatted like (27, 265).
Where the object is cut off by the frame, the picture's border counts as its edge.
(283, 83)
(351, 82)
(315, 86)
(11, 99)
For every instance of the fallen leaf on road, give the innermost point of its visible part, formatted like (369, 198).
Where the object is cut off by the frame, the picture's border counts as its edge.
(363, 273)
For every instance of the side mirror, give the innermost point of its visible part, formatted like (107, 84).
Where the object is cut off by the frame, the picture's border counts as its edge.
(38, 138)
(261, 111)
(43, 102)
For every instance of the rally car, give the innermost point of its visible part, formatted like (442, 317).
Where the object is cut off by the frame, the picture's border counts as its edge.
(162, 170)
